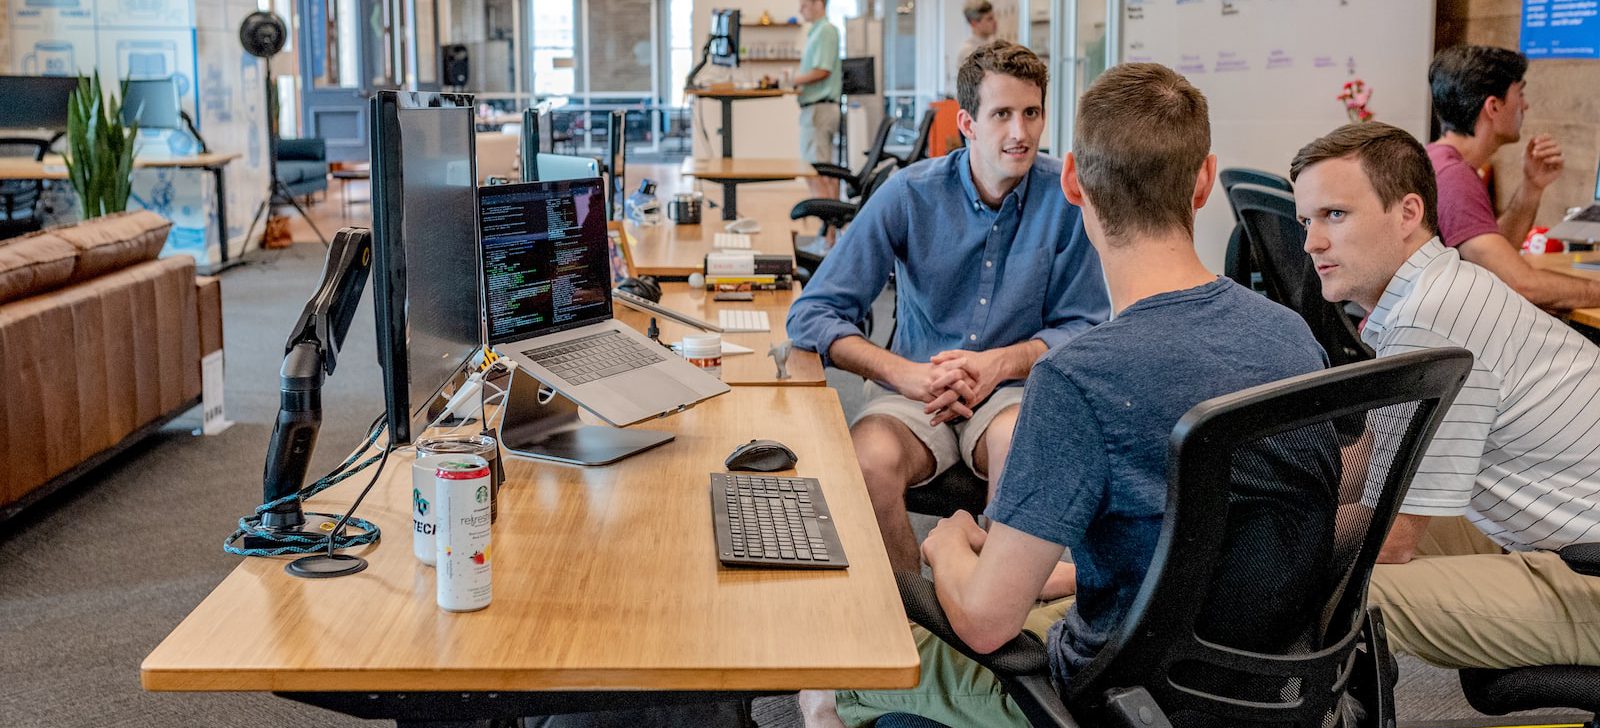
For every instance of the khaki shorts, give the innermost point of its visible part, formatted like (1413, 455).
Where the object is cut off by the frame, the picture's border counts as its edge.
(953, 689)
(818, 123)
(950, 442)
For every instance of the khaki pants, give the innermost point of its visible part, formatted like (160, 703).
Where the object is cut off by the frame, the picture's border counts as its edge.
(1464, 603)
(953, 690)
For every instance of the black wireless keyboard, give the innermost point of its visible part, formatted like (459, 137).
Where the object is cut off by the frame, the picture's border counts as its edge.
(766, 520)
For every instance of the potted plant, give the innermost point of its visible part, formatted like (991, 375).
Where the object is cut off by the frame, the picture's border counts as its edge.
(99, 148)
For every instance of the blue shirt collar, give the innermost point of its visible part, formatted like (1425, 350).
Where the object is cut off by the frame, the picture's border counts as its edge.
(963, 162)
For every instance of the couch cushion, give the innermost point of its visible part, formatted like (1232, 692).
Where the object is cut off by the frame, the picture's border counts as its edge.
(115, 241)
(34, 263)
(291, 172)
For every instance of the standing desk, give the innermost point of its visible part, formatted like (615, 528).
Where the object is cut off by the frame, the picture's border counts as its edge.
(729, 95)
(1562, 263)
(805, 367)
(730, 173)
(54, 167)
(606, 584)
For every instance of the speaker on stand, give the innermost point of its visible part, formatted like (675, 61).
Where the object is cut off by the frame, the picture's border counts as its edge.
(263, 34)
(455, 68)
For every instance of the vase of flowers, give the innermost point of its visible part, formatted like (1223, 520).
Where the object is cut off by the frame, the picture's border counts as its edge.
(1355, 96)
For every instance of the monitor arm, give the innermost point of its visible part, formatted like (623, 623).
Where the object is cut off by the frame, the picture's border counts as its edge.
(310, 356)
(705, 55)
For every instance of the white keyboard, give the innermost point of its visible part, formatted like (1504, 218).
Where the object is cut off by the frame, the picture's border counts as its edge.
(743, 320)
(731, 241)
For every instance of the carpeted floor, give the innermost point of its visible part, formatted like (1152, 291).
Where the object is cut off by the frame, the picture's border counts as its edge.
(93, 578)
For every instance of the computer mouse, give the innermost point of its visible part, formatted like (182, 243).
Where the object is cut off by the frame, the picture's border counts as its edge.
(761, 455)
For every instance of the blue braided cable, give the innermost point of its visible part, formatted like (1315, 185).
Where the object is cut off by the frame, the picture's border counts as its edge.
(369, 533)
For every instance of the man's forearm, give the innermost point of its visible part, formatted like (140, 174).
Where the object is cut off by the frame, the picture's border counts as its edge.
(858, 356)
(1556, 291)
(1517, 220)
(812, 76)
(954, 566)
(1021, 356)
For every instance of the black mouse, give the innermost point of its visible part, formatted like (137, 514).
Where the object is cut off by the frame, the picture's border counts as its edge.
(761, 455)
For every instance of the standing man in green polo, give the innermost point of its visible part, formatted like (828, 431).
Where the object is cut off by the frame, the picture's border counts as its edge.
(818, 84)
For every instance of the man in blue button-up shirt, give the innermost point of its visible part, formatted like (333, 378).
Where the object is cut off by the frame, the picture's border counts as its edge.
(992, 269)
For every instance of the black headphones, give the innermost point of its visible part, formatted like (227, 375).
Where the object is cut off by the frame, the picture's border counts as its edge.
(644, 287)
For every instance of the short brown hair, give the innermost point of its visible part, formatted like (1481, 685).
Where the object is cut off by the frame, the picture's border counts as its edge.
(1002, 57)
(1396, 164)
(974, 11)
(1142, 135)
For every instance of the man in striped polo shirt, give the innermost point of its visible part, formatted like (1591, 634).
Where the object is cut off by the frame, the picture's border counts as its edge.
(1518, 453)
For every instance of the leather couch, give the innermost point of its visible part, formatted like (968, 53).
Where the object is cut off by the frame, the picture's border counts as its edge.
(100, 345)
(303, 165)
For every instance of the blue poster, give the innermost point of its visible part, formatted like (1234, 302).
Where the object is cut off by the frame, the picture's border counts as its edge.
(1561, 28)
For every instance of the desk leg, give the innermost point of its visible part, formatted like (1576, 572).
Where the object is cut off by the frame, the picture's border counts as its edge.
(730, 201)
(222, 211)
(727, 128)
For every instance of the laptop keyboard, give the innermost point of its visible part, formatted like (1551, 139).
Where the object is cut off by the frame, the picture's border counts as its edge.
(735, 320)
(766, 520)
(593, 357)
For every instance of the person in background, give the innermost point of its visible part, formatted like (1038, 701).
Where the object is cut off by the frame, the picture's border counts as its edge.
(818, 81)
(980, 18)
(1479, 96)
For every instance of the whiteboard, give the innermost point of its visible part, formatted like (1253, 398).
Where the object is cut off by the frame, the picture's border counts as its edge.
(1271, 71)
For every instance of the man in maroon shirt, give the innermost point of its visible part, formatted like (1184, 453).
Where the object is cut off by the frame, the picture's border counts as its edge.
(1479, 96)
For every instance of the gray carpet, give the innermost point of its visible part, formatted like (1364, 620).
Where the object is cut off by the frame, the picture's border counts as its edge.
(94, 577)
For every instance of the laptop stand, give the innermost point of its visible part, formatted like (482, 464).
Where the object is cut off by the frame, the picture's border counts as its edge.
(540, 423)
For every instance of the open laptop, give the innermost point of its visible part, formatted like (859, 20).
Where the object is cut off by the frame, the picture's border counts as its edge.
(1585, 226)
(547, 290)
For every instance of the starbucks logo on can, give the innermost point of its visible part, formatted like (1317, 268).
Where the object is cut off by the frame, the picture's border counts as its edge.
(483, 494)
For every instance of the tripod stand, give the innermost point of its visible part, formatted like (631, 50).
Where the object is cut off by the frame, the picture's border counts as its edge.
(277, 186)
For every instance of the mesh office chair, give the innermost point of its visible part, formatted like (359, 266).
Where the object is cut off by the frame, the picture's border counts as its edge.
(919, 146)
(834, 214)
(1238, 265)
(855, 182)
(1277, 247)
(1252, 614)
(1497, 692)
(19, 198)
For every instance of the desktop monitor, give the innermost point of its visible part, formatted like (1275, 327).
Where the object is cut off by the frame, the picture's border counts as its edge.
(538, 137)
(46, 105)
(153, 103)
(425, 272)
(552, 167)
(725, 38)
(617, 164)
(858, 76)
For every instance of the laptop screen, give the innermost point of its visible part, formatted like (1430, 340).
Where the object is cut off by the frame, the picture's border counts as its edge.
(546, 264)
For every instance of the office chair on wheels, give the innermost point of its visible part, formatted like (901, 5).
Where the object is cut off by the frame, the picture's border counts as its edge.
(1248, 615)
(1497, 692)
(1238, 264)
(19, 198)
(1277, 246)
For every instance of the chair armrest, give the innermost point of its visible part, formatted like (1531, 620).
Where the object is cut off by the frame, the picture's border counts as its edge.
(1583, 558)
(1022, 665)
(826, 209)
(833, 170)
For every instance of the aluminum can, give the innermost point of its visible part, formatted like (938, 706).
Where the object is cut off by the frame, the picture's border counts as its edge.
(424, 506)
(484, 446)
(462, 542)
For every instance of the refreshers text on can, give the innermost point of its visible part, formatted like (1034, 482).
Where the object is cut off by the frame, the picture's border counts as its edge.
(462, 550)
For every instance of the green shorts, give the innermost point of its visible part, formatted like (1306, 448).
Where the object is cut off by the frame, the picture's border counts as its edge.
(954, 690)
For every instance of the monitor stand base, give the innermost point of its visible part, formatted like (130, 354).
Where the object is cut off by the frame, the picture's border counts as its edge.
(545, 426)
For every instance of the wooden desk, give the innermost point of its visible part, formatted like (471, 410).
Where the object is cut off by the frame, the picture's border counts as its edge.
(605, 579)
(54, 167)
(805, 367)
(1562, 263)
(729, 95)
(730, 173)
(677, 251)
